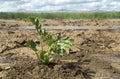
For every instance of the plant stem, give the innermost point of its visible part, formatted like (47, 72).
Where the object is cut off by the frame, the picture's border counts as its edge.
(41, 44)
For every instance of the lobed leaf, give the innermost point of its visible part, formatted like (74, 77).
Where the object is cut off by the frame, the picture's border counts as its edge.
(61, 45)
(31, 44)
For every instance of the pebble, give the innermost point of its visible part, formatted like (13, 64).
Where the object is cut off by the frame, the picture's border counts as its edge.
(7, 68)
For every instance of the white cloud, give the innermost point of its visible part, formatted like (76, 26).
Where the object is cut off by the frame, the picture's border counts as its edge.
(48, 5)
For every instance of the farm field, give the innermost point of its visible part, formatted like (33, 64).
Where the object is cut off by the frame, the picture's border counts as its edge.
(63, 22)
(95, 54)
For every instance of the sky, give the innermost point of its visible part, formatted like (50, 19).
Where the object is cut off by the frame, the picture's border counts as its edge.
(59, 5)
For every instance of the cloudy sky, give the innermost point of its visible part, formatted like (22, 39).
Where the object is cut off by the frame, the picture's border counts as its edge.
(59, 5)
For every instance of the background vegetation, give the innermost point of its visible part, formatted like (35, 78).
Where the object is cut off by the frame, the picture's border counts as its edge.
(60, 15)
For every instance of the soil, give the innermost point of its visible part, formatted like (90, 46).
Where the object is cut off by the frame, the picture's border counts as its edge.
(88, 58)
(62, 22)
(94, 55)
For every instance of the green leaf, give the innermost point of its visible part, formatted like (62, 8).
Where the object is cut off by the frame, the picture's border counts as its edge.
(62, 45)
(45, 57)
(48, 40)
(38, 26)
(44, 33)
(37, 22)
(31, 44)
(32, 19)
(58, 37)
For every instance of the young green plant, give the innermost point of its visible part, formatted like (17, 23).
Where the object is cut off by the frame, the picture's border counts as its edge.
(56, 43)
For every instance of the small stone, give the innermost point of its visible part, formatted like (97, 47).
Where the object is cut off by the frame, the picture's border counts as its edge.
(42, 70)
(7, 68)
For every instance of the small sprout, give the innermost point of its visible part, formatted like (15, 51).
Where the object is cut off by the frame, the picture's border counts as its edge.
(56, 45)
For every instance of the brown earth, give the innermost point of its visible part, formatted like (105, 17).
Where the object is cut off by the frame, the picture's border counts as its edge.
(63, 22)
(83, 62)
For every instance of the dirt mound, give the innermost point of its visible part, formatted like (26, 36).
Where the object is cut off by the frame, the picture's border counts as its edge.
(27, 68)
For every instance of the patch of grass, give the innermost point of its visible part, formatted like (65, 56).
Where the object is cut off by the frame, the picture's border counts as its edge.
(60, 15)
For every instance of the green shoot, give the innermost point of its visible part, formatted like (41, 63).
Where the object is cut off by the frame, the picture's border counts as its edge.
(56, 44)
